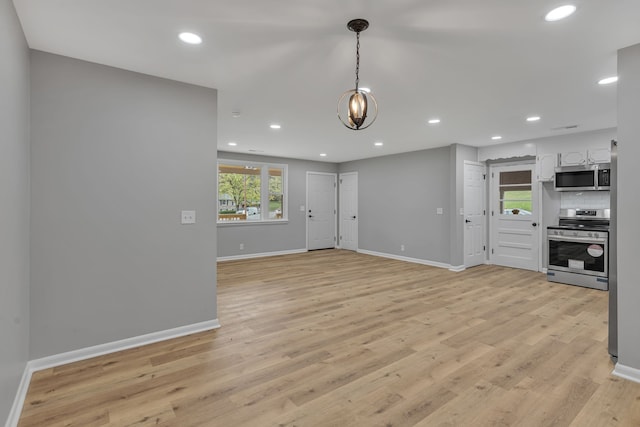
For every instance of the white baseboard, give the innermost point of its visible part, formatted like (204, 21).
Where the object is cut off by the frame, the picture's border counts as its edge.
(95, 351)
(627, 372)
(457, 268)
(260, 255)
(408, 259)
(18, 401)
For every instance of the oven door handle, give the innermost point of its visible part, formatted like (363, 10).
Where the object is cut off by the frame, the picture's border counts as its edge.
(577, 239)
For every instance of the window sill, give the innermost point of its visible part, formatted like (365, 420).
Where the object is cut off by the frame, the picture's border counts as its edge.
(245, 222)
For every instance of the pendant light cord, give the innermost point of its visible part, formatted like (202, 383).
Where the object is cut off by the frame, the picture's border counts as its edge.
(357, 59)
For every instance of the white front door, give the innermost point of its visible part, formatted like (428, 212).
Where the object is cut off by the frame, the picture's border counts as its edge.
(349, 211)
(321, 210)
(514, 216)
(474, 214)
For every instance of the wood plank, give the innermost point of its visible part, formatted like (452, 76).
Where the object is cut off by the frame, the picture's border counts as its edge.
(340, 338)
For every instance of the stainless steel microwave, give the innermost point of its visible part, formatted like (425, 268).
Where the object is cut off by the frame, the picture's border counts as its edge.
(583, 178)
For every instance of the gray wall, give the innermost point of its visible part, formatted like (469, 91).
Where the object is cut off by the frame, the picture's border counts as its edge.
(397, 200)
(275, 237)
(115, 157)
(628, 206)
(14, 199)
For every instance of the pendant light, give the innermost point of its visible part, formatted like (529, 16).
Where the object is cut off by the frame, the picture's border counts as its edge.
(361, 108)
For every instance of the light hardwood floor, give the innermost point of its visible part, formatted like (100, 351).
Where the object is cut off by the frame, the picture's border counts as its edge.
(336, 338)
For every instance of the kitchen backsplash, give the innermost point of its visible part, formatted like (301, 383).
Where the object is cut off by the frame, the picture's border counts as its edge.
(585, 200)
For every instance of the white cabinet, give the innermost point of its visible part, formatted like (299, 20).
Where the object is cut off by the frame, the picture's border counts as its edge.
(599, 155)
(545, 166)
(573, 158)
(585, 157)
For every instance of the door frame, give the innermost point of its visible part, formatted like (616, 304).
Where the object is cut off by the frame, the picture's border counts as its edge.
(538, 216)
(340, 175)
(335, 207)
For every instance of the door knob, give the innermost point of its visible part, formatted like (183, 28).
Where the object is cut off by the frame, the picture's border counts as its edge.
(353, 217)
(467, 221)
(310, 216)
(535, 224)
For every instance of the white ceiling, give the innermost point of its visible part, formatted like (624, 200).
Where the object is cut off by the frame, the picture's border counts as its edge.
(481, 67)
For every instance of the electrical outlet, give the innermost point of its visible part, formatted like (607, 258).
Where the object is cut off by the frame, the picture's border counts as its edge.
(402, 248)
(188, 217)
(241, 246)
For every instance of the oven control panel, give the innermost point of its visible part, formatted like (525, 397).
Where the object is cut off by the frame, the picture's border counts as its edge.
(577, 233)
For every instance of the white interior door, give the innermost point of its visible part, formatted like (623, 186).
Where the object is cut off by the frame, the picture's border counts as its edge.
(349, 211)
(474, 214)
(514, 216)
(321, 210)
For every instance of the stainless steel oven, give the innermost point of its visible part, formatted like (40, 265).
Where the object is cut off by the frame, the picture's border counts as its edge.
(578, 249)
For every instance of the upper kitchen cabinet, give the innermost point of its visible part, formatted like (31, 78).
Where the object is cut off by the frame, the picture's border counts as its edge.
(585, 157)
(599, 155)
(546, 166)
(573, 158)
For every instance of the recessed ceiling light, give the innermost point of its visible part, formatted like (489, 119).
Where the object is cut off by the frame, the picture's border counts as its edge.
(233, 144)
(560, 13)
(275, 126)
(533, 118)
(608, 80)
(378, 144)
(434, 121)
(323, 154)
(496, 137)
(190, 38)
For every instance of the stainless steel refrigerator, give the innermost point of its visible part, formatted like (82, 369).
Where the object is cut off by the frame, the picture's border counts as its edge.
(613, 256)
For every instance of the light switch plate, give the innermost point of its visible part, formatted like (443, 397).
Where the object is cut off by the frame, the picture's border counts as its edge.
(439, 211)
(188, 217)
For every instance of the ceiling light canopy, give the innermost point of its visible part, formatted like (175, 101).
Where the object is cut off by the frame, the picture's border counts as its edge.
(356, 103)
(190, 38)
(560, 13)
(275, 126)
(608, 80)
(496, 137)
(533, 118)
(433, 121)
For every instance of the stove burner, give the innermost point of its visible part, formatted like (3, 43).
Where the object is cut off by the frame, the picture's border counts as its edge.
(583, 219)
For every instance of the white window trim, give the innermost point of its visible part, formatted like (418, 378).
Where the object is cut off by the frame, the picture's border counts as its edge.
(264, 192)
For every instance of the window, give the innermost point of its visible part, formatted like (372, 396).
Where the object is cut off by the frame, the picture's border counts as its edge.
(515, 193)
(250, 191)
(276, 193)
